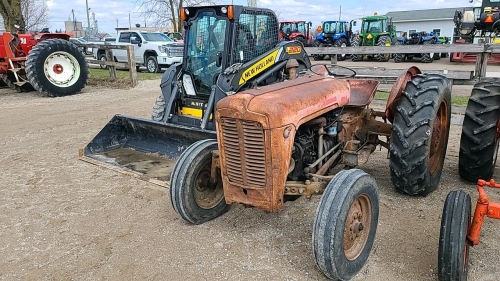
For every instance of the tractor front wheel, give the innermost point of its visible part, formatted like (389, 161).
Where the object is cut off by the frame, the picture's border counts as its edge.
(480, 133)
(453, 254)
(420, 134)
(341, 43)
(317, 57)
(355, 43)
(384, 41)
(428, 57)
(399, 57)
(345, 224)
(194, 195)
(57, 67)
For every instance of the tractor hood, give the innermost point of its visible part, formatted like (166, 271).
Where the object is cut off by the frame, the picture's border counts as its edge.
(290, 102)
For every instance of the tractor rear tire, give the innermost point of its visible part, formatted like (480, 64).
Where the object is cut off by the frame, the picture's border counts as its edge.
(453, 253)
(420, 133)
(158, 112)
(355, 43)
(479, 141)
(428, 57)
(191, 195)
(399, 57)
(384, 41)
(56, 68)
(341, 43)
(345, 224)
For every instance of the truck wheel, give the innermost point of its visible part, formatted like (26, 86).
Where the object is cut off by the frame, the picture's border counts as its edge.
(384, 41)
(453, 254)
(158, 109)
(399, 57)
(428, 57)
(152, 64)
(345, 224)
(191, 194)
(420, 134)
(56, 67)
(480, 133)
(341, 43)
(102, 57)
(355, 43)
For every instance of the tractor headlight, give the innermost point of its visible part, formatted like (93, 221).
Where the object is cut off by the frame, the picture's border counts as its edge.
(223, 10)
(187, 82)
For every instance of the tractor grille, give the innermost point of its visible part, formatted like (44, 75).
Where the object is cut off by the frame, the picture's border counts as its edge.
(244, 152)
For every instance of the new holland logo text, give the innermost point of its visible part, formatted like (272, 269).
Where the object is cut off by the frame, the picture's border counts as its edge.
(258, 67)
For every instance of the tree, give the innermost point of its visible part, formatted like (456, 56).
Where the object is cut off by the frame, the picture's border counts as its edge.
(30, 15)
(166, 13)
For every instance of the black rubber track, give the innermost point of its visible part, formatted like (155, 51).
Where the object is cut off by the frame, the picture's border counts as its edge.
(412, 132)
(35, 67)
(453, 254)
(477, 156)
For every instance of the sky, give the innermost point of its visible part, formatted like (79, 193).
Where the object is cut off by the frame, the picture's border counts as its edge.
(109, 14)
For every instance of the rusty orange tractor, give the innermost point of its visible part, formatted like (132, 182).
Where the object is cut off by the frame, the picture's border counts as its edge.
(47, 62)
(459, 232)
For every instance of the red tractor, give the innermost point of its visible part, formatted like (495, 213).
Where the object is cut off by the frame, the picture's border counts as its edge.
(46, 62)
(296, 30)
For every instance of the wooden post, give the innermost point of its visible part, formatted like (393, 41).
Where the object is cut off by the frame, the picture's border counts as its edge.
(112, 68)
(132, 66)
(481, 63)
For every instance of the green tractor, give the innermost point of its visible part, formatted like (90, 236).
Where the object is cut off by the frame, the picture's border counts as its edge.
(375, 31)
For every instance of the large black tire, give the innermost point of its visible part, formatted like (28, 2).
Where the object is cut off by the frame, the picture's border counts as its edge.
(317, 57)
(341, 43)
(384, 41)
(355, 43)
(428, 57)
(437, 56)
(152, 65)
(345, 224)
(158, 112)
(191, 195)
(479, 141)
(420, 133)
(57, 67)
(453, 254)
(399, 57)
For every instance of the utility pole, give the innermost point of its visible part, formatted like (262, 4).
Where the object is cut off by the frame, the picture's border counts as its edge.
(88, 19)
(129, 22)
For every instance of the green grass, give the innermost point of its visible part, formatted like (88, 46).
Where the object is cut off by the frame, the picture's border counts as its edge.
(100, 78)
(455, 100)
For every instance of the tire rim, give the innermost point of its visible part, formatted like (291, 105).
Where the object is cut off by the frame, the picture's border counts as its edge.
(61, 69)
(151, 66)
(438, 138)
(103, 58)
(205, 196)
(357, 227)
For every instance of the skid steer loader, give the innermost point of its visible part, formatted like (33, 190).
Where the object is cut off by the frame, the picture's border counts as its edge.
(248, 120)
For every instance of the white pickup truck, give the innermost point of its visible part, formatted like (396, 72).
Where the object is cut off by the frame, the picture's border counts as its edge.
(153, 50)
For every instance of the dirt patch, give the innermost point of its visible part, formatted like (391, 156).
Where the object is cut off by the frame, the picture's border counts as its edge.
(67, 219)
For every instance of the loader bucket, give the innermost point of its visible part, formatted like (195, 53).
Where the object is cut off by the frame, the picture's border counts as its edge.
(143, 148)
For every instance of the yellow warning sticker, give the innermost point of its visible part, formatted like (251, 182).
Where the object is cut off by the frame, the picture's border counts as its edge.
(293, 50)
(259, 66)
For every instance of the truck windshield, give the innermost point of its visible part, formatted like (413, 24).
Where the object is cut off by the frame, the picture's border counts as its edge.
(205, 38)
(155, 37)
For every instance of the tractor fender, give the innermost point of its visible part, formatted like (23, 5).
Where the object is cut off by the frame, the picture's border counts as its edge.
(397, 89)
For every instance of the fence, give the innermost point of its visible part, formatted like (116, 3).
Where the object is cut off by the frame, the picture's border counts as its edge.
(112, 64)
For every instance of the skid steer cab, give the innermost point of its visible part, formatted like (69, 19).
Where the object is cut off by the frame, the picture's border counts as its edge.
(247, 119)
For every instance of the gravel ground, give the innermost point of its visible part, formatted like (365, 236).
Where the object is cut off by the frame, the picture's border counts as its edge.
(65, 219)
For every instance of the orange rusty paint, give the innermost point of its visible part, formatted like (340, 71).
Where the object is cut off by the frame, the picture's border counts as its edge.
(362, 92)
(483, 208)
(397, 89)
(260, 125)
